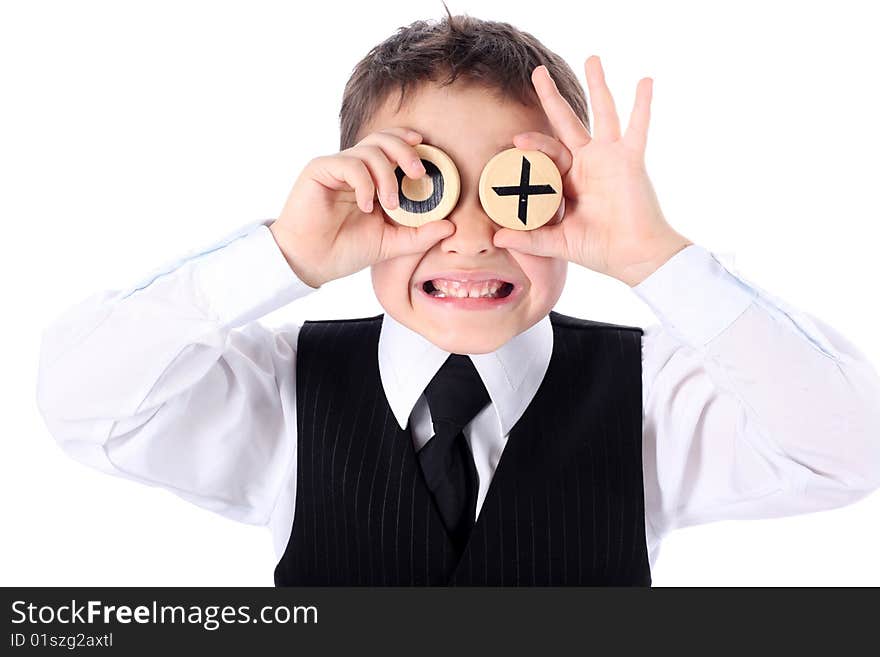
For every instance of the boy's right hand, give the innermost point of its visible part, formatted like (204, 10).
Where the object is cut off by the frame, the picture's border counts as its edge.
(330, 226)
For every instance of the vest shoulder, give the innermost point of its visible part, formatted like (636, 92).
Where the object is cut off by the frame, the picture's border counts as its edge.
(337, 341)
(375, 319)
(567, 321)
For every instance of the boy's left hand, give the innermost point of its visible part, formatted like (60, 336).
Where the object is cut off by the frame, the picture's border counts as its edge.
(612, 222)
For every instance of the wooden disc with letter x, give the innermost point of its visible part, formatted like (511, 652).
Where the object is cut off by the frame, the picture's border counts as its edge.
(521, 189)
(431, 197)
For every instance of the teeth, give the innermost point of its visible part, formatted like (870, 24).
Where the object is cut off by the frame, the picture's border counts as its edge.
(462, 290)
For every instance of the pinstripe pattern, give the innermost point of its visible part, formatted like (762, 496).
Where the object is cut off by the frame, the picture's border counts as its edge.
(564, 507)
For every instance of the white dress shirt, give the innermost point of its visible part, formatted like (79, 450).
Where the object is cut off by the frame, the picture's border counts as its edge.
(751, 409)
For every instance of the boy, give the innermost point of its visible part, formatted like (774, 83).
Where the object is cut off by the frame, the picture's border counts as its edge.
(579, 444)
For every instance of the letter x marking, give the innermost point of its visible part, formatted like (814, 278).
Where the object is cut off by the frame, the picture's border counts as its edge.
(524, 190)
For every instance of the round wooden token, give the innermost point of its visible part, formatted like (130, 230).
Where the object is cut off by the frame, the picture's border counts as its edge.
(431, 197)
(521, 189)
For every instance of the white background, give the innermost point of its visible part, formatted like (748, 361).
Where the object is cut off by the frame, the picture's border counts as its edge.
(132, 132)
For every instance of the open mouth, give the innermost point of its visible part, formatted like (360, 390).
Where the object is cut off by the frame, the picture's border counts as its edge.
(489, 289)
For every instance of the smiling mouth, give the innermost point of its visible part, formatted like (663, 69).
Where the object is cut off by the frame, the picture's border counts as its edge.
(491, 289)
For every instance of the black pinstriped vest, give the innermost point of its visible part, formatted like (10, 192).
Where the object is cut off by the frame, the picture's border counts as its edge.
(565, 505)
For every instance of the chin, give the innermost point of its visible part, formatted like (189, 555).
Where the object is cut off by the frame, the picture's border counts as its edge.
(467, 342)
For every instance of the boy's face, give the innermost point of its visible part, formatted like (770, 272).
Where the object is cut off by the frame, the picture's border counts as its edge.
(471, 125)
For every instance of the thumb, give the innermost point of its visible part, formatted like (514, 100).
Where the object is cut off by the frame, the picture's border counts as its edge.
(400, 240)
(548, 240)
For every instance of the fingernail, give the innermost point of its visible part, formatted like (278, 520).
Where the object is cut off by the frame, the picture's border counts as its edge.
(418, 166)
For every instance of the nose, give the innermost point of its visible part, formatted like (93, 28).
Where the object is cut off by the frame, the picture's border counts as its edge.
(473, 230)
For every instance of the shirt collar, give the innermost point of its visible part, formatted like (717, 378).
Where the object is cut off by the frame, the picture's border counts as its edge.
(512, 373)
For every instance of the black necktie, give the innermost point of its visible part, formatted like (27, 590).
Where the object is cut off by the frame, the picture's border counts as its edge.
(455, 395)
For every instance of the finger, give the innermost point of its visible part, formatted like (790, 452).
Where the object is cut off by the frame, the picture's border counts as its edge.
(571, 130)
(382, 171)
(548, 240)
(548, 145)
(408, 135)
(607, 125)
(636, 135)
(400, 240)
(398, 146)
(354, 173)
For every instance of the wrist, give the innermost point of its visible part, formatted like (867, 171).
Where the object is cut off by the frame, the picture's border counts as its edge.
(295, 263)
(635, 273)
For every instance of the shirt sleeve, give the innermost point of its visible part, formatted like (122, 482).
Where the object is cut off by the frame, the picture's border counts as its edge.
(174, 383)
(753, 409)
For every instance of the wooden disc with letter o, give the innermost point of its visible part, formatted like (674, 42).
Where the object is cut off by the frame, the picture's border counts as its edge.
(431, 197)
(521, 189)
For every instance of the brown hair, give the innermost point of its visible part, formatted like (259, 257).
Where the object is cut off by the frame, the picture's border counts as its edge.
(496, 55)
